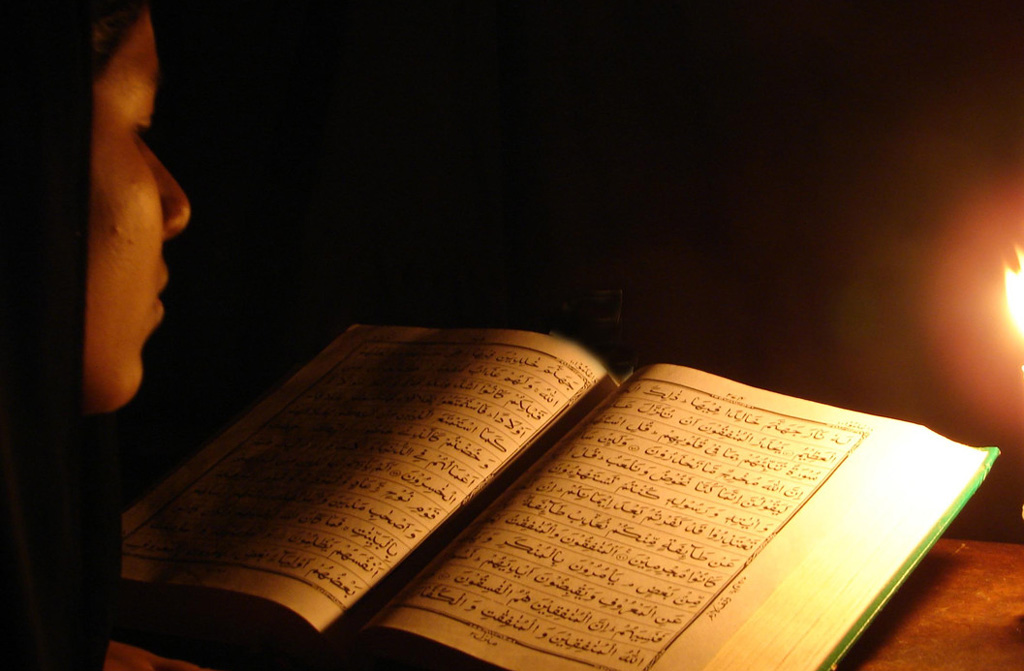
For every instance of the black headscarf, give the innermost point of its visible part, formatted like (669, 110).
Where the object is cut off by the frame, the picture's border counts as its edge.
(58, 492)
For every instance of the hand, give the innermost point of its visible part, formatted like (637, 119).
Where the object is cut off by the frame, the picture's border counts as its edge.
(123, 657)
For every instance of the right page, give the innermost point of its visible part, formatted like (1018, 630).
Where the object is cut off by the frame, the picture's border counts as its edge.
(695, 523)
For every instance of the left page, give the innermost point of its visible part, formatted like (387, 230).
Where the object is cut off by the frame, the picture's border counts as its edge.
(331, 481)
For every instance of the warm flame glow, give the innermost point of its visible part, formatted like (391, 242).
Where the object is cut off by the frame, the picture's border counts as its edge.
(1015, 291)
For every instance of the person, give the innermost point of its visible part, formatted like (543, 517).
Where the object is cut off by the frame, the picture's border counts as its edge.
(135, 205)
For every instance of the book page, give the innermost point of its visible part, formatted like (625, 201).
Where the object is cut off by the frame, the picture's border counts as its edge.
(332, 480)
(656, 534)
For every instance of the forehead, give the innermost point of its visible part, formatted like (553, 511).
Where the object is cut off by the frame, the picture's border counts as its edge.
(134, 67)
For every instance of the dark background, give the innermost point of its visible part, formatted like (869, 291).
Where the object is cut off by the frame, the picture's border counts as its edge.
(813, 197)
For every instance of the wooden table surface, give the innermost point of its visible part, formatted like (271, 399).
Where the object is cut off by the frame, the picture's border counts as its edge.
(961, 609)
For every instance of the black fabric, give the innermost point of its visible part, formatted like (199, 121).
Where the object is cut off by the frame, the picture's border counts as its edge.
(55, 562)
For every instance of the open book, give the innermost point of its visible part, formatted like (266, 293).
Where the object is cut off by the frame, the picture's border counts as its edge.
(494, 495)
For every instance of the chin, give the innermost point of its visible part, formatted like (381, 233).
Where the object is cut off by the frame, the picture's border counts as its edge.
(109, 390)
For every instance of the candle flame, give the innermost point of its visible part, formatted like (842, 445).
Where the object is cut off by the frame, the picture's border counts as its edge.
(1015, 291)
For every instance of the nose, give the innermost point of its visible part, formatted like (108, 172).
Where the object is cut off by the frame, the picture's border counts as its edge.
(173, 201)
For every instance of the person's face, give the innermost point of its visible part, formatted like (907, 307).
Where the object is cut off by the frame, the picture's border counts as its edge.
(135, 205)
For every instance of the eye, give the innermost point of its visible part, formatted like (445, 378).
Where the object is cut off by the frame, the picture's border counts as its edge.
(142, 130)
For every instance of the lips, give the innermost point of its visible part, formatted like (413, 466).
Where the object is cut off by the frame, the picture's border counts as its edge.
(165, 277)
(161, 285)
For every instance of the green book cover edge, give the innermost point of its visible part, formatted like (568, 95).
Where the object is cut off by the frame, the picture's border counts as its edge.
(913, 560)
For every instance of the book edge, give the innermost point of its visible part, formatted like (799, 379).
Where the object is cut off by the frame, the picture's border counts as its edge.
(912, 561)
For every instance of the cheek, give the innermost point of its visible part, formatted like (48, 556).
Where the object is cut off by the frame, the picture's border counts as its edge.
(124, 195)
(125, 275)
(125, 219)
